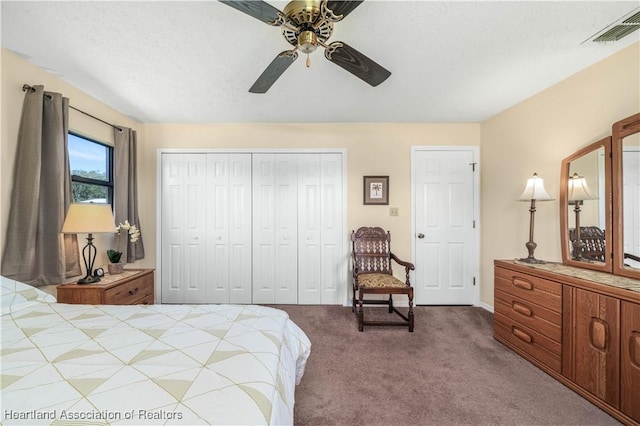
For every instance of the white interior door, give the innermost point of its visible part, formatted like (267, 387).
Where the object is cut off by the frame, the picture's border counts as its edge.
(275, 217)
(445, 252)
(184, 271)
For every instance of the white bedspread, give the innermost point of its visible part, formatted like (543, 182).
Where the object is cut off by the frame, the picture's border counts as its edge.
(157, 364)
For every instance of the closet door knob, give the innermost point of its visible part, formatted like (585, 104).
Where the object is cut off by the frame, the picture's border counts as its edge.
(421, 235)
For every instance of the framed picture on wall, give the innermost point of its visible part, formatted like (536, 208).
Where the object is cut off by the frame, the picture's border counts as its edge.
(376, 190)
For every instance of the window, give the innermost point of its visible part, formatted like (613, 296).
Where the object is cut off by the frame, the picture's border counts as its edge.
(91, 166)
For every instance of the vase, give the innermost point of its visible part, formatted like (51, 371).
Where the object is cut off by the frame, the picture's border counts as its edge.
(115, 268)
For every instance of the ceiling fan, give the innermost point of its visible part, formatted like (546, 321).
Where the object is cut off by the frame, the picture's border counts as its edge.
(307, 24)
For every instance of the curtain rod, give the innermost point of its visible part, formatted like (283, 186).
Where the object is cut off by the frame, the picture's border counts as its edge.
(26, 87)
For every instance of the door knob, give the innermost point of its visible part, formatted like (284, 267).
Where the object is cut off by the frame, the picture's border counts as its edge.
(421, 235)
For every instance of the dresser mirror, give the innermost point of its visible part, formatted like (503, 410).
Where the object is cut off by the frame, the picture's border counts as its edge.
(586, 218)
(626, 196)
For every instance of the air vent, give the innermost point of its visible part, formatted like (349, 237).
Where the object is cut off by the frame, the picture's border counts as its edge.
(619, 29)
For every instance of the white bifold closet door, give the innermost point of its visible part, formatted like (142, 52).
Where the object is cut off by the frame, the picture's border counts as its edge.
(252, 228)
(275, 233)
(320, 233)
(206, 228)
(229, 228)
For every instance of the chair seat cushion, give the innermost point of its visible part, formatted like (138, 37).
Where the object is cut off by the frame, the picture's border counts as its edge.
(379, 281)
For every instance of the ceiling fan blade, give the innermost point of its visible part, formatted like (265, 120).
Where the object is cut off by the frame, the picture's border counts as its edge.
(343, 7)
(258, 9)
(356, 63)
(275, 69)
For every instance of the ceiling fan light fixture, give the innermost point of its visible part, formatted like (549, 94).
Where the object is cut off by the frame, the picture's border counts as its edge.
(307, 42)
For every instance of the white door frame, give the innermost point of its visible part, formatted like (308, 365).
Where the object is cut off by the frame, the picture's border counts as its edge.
(476, 206)
(346, 240)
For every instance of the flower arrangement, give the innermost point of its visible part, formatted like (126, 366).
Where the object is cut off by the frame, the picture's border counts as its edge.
(134, 234)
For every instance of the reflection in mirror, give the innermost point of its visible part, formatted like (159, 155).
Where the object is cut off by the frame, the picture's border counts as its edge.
(588, 245)
(586, 209)
(585, 219)
(631, 200)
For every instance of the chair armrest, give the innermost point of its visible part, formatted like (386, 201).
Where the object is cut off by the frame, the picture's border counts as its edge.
(632, 257)
(407, 265)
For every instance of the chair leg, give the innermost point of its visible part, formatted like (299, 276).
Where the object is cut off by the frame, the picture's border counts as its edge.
(360, 314)
(410, 315)
(353, 300)
(391, 303)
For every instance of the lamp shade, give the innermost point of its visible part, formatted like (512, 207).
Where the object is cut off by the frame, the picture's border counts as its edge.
(578, 189)
(535, 190)
(89, 218)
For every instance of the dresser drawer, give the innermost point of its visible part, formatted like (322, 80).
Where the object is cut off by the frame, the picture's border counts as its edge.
(528, 341)
(542, 292)
(535, 317)
(129, 293)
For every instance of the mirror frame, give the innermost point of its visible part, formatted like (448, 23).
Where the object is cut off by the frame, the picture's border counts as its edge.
(605, 266)
(620, 129)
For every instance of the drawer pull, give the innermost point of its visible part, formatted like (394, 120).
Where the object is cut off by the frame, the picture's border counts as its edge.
(521, 309)
(134, 291)
(598, 334)
(634, 348)
(525, 285)
(525, 337)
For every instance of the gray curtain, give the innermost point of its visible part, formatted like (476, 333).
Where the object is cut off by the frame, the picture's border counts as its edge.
(126, 188)
(34, 251)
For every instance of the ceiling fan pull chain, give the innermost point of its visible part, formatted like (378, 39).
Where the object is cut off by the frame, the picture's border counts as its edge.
(308, 61)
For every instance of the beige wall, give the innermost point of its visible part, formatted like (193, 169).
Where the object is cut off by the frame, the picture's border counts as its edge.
(530, 137)
(534, 136)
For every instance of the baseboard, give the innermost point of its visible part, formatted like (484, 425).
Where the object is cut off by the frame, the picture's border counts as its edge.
(485, 306)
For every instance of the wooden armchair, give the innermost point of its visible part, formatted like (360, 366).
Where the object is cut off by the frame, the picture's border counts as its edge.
(372, 274)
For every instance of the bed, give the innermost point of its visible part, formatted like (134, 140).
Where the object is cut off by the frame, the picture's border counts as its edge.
(155, 364)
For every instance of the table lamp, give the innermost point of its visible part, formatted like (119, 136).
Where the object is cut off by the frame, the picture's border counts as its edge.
(534, 191)
(89, 218)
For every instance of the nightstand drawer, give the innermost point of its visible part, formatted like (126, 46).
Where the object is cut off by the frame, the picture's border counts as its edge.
(528, 341)
(545, 321)
(533, 289)
(129, 293)
(133, 286)
(147, 300)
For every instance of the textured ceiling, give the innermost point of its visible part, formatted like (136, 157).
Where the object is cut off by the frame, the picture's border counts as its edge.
(193, 62)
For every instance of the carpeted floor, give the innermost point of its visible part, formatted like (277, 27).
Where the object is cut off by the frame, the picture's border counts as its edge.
(449, 371)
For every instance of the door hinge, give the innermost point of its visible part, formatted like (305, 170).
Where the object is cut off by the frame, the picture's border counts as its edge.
(474, 281)
(474, 224)
(473, 166)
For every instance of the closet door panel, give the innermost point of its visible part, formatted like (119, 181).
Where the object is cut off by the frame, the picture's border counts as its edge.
(240, 228)
(332, 260)
(309, 268)
(263, 228)
(286, 235)
(172, 228)
(217, 208)
(183, 229)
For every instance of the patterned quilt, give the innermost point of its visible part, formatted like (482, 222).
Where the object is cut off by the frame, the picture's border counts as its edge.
(158, 364)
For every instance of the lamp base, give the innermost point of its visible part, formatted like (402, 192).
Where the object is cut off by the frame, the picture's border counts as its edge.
(89, 280)
(532, 260)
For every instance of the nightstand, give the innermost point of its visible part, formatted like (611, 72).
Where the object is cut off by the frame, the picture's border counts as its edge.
(132, 287)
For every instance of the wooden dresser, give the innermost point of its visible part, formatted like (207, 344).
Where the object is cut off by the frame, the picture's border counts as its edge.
(132, 287)
(580, 326)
